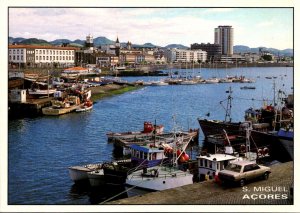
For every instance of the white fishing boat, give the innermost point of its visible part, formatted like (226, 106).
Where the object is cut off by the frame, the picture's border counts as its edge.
(162, 177)
(212, 80)
(188, 82)
(41, 91)
(80, 173)
(96, 177)
(87, 106)
(159, 83)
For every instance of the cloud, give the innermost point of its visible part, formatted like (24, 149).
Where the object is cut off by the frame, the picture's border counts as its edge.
(218, 10)
(160, 26)
(265, 24)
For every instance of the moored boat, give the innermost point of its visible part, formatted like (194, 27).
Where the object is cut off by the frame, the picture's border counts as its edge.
(80, 173)
(149, 129)
(165, 176)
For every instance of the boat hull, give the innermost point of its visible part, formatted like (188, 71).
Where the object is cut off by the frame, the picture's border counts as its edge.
(167, 178)
(78, 173)
(212, 127)
(58, 111)
(96, 178)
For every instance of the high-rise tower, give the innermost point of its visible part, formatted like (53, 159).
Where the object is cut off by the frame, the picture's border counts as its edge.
(89, 43)
(224, 37)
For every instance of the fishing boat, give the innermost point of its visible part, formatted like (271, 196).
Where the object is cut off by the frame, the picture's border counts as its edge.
(248, 87)
(149, 129)
(164, 176)
(96, 177)
(286, 138)
(87, 106)
(41, 92)
(212, 80)
(159, 83)
(188, 82)
(145, 156)
(80, 173)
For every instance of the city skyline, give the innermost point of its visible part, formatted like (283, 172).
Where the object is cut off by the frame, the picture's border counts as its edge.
(253, 27)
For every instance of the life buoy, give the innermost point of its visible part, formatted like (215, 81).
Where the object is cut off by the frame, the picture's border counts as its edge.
(266, 151)
(260, 152)
(243, 148)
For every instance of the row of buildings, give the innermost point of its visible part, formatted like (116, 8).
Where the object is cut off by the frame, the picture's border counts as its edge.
(112, 55)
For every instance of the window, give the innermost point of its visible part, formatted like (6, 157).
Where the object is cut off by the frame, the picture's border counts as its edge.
(43, 51)
(17, 51)
(40, 57)
(56, 57)
(21, 57)
(10, 57)
(205, 163)
(37, 58)
(63, 57)
(14, 57)
(40, 51)
(50, 57)
(47, 58)
(17, 57)
(14, 51)
(43, 57)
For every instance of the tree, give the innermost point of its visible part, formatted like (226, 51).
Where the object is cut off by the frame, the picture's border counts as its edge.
(267, 57)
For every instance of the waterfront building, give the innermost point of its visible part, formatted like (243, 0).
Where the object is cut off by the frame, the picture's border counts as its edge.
(41, 56)
(224, 37)
(213, 50)
(181, 55)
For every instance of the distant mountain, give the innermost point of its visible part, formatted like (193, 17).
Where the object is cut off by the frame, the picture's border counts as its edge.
(60, 41)
(15, 40)
(178, 46)
(146, 45)
(102, 41)
(34, 41)
(245, 49)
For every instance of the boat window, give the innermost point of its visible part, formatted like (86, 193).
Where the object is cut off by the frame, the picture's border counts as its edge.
(209, 164)
(145, 155)
(205, 163)
(154, 156)
(218, 166)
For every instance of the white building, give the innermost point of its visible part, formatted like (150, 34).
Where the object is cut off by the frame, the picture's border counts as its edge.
(41, 55)
(180, 55)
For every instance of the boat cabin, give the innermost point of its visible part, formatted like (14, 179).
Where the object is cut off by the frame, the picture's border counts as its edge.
(211, 164)
(146, 155)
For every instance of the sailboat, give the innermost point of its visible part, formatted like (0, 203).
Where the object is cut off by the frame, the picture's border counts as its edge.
(164, 176)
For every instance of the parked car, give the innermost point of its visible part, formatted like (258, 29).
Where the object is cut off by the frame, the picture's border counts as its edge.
(242, 171)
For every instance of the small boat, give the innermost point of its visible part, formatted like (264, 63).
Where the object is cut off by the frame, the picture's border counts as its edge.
(96, 177)
(188, 82)
(80, 173)
(88, 105)
(248, 87)
(149, 129)
(212, 80)
(41, 91)
(225, 80)
(159, 83)
(269, 77)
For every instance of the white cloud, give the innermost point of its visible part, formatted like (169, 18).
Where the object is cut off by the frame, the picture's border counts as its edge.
(265, 24)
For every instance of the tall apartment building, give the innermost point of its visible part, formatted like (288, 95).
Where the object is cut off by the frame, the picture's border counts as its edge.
(224, 37)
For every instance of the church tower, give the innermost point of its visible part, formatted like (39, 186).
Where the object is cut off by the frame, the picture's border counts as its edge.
(117, 47)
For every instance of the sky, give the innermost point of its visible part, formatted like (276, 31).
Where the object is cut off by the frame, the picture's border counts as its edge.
(253, 27)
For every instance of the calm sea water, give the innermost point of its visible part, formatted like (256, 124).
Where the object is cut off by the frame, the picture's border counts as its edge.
(41, 149)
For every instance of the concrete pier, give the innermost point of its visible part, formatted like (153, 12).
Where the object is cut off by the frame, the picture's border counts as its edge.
(278, 189)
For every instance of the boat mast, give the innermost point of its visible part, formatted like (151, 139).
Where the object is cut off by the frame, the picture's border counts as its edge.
(229, 106)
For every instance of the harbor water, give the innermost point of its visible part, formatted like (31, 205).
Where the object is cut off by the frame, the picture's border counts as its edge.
(41, 149)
